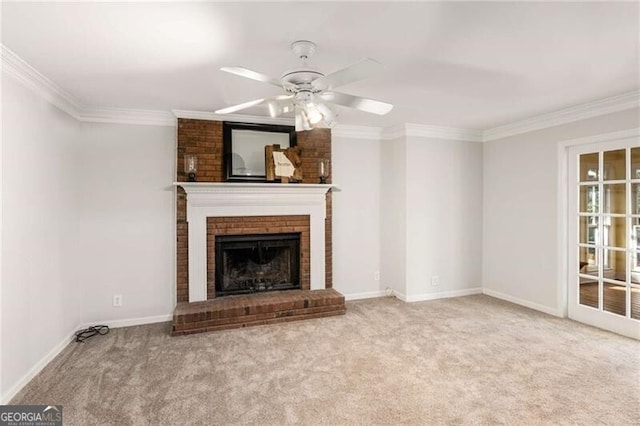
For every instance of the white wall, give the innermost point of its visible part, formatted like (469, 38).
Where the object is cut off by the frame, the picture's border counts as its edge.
(431, 217)
(39, 292)
(87, 212)
(356, 216)
(393, 216)
(126, 221)
(520, 211)
(444, 217)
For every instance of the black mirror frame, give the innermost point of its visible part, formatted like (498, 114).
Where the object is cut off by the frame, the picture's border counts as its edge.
(227, 142)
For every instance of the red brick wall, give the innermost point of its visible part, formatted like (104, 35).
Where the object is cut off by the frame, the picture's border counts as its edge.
(204, 138)
(316, 145)
(258, 225)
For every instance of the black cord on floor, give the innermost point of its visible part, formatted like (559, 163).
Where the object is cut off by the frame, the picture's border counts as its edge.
(83, 335)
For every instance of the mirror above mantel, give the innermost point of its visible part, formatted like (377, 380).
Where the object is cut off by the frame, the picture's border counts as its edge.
(244, 148)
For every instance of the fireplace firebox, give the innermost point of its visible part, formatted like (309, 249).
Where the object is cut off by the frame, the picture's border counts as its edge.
(256, 263)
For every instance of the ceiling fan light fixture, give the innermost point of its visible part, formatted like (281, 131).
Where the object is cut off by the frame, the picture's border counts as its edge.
(327, 115)
(313, 113)
(302, 120)
(298, 120)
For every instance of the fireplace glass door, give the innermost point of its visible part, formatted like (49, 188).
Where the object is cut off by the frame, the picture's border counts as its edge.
(256, 263)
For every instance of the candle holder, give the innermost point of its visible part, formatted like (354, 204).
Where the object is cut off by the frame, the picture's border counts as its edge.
(191, 166)
(323, 170)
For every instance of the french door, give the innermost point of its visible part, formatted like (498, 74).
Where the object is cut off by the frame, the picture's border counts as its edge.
(604, 235)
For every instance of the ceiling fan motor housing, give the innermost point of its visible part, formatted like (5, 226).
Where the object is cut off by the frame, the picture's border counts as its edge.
(302, 77)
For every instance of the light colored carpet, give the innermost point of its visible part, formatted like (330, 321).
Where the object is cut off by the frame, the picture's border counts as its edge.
(468, 360)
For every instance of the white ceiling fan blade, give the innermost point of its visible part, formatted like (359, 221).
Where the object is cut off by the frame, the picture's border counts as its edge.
(328, 115)
(358, 71)
(299, 127)
(253, 75)
(238, 107)
(357, 102)
(249, 104)
(281, 105)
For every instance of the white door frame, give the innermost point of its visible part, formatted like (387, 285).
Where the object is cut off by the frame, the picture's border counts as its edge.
(563, 213)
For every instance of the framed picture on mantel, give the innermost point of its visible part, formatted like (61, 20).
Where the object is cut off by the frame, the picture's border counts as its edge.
(244, 148)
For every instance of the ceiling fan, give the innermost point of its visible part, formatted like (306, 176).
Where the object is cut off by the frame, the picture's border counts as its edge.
(308, 91)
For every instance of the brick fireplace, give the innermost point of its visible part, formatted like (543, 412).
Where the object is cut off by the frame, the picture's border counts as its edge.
(204, 139)
(212, 208)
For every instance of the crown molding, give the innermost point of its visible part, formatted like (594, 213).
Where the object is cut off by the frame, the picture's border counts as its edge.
(241, 118)
(127, 116)
(394, 132)
(440, 132)
(407, 130)
(17, 68)
(356, 132)
(604, 106)
(604, 137)
(433, 132)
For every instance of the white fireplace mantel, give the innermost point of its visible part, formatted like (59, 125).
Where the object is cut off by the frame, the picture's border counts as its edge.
(252, 199)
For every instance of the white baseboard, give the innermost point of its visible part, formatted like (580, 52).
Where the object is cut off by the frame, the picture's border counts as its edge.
(365, 295)
(4, 399)
(37, 368)
(399, 295)
(438, 295)
(536, 306)
(130, 322)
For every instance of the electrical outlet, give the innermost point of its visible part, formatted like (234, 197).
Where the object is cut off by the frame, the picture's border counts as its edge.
(435, 280)
(376, 276)
(117, 300)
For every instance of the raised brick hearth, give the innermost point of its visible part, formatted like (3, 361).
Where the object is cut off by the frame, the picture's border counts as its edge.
(256, 309)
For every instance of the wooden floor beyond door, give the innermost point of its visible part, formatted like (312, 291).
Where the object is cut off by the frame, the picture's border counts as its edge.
(614, 299)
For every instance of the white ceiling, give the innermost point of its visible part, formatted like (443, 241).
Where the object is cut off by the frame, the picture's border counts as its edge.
(470, 65)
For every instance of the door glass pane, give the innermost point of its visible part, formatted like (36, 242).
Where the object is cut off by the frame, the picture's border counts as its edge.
(589, 199)
(614, 200)
(587, 263)
(635, 198)
(635, 233)
(635, 163)
(589, 291)
(615, 299)
(635, 267)
(614, 231)
(589, 167)
(615, 265)
(589, 230)
(615, 163)
(635, 303)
